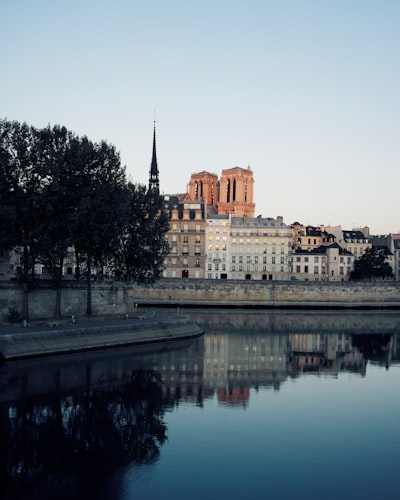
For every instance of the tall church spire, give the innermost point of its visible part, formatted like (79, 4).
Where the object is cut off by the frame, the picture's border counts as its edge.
(154, 183)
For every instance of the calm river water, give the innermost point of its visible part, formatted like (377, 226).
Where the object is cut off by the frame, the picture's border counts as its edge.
(277, 405)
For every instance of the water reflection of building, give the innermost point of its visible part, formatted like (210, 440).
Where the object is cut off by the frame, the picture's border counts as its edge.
(323, 353)
(233, 363)
(182, 378)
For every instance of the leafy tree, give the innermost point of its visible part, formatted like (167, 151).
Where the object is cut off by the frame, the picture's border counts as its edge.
(21, 184)
(100, 201)
(143, 246)
(372, 265)
(58, 205)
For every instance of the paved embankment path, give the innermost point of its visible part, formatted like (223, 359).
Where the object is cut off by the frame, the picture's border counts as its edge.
(41, 338)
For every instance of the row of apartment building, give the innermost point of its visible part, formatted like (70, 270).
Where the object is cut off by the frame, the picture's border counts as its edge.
(213, 239)
(214, 234)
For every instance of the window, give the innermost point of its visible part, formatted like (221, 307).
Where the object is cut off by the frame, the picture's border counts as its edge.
(233, 259)
(256, 259)
(248, 259)
(240, 259)
(316, 259)
(315, 269)
(209, 267)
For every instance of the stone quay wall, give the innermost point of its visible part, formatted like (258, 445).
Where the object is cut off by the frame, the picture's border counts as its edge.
(116, 298)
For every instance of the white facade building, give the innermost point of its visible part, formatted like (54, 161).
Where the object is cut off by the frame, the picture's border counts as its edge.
(252, 248)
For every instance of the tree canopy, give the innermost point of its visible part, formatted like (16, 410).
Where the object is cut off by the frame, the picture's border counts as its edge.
(60, 193)
(372, 265)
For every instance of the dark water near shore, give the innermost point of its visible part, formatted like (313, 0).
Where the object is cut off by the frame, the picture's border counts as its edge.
(264, 405)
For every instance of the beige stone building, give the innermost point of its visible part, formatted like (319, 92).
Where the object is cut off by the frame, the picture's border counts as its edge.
(252, 248)
(354, 240)
(260, 248)
(325, 263)
(186, 237)
(198, 248)
(310, 237)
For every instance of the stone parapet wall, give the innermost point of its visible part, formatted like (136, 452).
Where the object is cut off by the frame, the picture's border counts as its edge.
(124, 298)
(270, 294)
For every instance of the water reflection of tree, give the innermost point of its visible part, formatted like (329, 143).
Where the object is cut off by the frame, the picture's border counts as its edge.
(374, 347)
(83, 434)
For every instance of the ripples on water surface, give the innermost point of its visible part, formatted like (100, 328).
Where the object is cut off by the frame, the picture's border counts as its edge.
(264, 405)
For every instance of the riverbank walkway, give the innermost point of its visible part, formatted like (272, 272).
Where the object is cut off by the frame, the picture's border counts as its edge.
(42, 337)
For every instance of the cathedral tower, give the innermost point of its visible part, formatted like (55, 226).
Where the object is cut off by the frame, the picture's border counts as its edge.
(154, 182)
(236, 192)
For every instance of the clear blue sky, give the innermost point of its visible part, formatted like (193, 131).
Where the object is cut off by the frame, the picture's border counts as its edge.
(305, 92)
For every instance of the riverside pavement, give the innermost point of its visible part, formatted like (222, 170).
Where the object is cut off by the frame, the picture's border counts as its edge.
(52, 336)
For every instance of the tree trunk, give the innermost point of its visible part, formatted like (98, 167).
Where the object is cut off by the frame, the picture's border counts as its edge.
(25, 302)
(89, 286)
(78, 267)
(25, 286)
(58, 288)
